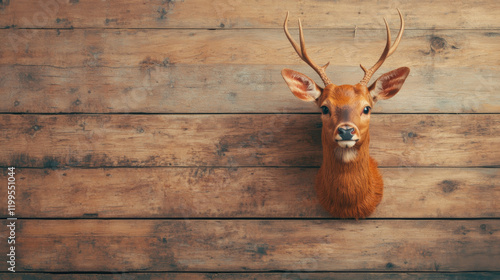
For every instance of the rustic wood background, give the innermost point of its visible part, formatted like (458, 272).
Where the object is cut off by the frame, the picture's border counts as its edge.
(156, 139)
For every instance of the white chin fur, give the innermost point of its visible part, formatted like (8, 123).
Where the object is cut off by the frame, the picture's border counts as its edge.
(346, 144)
(346, 155)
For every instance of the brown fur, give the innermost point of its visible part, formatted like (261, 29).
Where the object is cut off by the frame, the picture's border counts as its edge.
(348, 184)
(348, 189)
(352, 189)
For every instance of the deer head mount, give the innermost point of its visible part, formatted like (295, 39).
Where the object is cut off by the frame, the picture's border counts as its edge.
(348, 183)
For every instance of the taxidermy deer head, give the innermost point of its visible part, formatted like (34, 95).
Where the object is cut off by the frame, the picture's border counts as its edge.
(348, 183)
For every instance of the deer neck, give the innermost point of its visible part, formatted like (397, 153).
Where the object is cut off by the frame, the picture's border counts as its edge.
(351, 178)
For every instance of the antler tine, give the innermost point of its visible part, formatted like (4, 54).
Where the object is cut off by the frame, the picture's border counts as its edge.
(301, 51)
(388, 50)
(292, 41)
(374, 68)
(400, 34)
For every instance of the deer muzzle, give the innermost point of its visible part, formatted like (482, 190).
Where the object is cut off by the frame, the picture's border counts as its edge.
(346, 135)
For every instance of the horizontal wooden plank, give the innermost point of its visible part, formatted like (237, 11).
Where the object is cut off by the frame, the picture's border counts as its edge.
(228, 89)
(244, 14)
(238, 140)
(144, 48)
(242, 193)
(252, 276)
(256, 245)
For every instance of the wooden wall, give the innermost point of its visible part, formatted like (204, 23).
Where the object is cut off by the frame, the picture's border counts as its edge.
(157, 140)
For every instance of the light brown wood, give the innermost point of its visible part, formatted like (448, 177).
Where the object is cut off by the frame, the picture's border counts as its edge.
(243, 193)
(54, 141)
(257, 245)
(229, 89)
(148, 47)
(253, 276)
(477, 14)
(215, 191)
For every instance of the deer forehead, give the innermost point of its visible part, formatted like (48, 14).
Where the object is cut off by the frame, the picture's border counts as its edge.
(346, 96)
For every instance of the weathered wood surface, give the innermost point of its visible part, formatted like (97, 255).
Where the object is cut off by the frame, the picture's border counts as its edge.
(238, 140)
(257, 245)
(242, 193)
(149, 47)
(477, 14)
(253, 276)
(228, 171)
(228, 89)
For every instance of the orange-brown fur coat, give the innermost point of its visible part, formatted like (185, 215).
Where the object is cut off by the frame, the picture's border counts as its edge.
(352, 189)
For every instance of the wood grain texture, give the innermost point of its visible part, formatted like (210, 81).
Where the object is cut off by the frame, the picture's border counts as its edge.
(148, 47)
(213, 179)
(228, 89)
(54, 141)
(242, 193)
(252, 276)
(477, 14)
(257, 245)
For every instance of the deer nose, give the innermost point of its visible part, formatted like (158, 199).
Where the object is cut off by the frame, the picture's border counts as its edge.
(346, 133)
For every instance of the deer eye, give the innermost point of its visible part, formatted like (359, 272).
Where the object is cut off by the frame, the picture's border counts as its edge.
(325, 110)
(366, 110)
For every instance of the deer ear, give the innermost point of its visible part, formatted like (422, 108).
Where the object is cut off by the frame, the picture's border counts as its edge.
(389, 84)
(301, 86)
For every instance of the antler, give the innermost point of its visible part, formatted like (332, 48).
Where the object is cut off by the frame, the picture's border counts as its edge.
(387, 51)
(301, 51)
